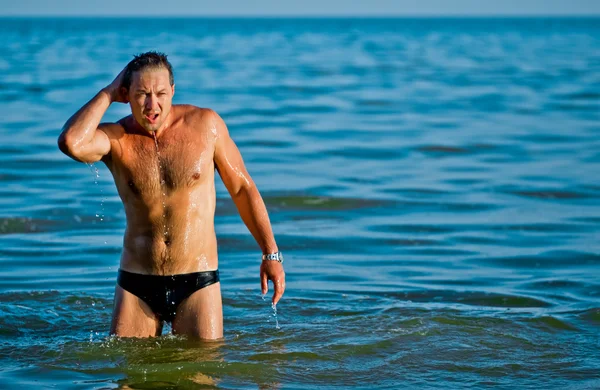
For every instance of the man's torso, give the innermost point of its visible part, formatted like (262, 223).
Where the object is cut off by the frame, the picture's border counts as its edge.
(168, 193)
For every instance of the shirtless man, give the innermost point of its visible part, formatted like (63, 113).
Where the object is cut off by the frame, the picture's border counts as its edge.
(169, 268)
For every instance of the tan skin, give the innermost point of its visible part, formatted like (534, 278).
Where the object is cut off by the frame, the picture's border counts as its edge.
(169, 197)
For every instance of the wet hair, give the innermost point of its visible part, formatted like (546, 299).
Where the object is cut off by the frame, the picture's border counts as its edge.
(148, 60)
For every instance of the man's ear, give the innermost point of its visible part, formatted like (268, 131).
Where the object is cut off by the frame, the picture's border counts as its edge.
(173, 88)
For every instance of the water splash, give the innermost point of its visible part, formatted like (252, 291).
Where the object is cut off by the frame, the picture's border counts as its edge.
(96, 173)
(274, 307)
(168, 331)
(92, 334)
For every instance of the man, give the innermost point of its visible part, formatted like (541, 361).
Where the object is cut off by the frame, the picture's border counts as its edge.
(162, 158)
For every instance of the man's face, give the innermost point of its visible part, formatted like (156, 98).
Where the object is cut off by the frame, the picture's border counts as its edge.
(150, 96)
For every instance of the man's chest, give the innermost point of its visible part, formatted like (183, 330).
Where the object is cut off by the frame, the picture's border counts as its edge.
(169, 163)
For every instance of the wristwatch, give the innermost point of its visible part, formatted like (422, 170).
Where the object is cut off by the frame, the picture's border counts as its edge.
(277, 256)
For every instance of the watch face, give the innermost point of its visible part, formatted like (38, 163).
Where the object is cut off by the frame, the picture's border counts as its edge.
(274, 256)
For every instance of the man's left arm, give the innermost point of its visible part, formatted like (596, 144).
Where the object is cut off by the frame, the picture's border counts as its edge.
(250, 205)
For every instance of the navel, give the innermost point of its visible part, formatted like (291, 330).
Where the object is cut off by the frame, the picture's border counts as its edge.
(133, 188)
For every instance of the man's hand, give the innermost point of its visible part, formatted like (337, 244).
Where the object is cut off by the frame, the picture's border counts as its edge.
(272, 270)
(117, 92)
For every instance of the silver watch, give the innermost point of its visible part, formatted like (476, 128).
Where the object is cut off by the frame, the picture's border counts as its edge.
(277, 256)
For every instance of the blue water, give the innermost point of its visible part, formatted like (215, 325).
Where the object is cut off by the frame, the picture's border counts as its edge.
(433, 183)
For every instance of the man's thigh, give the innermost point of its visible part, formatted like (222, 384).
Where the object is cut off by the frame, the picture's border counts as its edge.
(200, 316)
(132, 317)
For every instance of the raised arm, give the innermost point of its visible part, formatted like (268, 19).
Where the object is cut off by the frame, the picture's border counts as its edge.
(82, 137)
(248, 201)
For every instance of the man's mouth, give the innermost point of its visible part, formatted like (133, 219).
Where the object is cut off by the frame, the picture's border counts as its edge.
(151, 118)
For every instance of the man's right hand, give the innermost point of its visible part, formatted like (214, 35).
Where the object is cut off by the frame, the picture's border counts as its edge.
(116, 91)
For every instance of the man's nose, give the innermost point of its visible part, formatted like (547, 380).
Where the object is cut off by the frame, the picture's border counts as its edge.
(151, 102)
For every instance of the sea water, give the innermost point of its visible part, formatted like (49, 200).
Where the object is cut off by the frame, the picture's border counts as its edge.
(433, 184)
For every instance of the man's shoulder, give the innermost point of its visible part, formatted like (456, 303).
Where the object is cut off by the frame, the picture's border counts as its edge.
(201, 118)
(189, 110)
(115, 128)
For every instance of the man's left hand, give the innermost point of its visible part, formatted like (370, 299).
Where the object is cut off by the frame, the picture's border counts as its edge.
(272, 270)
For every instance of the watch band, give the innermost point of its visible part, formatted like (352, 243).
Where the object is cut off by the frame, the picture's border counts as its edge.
(277, 256)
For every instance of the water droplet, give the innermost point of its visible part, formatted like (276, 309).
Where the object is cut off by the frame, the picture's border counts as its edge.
(96, 173)
(274, 307)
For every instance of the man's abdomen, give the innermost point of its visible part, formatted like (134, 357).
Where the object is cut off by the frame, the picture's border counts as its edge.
(183, 242)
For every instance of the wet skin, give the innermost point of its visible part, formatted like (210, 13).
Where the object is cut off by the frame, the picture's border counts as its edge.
(163, 159)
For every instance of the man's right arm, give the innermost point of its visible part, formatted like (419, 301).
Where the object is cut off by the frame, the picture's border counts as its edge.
(82, 137)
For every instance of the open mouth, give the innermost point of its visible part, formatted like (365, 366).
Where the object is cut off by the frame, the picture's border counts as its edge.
(151, 117)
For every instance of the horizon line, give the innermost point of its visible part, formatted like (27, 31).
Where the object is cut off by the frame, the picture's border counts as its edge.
(304, 16)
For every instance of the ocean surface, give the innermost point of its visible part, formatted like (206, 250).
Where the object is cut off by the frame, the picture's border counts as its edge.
(433, 183)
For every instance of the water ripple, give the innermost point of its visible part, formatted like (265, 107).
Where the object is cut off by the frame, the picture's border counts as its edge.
(431, 182)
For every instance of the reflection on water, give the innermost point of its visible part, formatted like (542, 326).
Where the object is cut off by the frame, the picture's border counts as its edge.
(432, 183)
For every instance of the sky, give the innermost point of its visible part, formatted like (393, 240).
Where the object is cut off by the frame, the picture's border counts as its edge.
(292, 8)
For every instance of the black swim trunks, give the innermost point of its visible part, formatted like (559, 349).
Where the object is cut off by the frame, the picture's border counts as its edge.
(164, 293)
